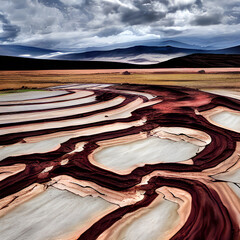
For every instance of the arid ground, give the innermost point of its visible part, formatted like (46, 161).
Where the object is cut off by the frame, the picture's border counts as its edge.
(120, 161)
(214, 77)
(150, 160)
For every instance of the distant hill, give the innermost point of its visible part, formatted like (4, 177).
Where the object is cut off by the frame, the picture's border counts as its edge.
(190, 61)
(231, 50)
(202, 61)
(19, 63)
(133, 55)
(174, 43)
(143, 54)
(18, 50)
(140, 54)
(126, 52)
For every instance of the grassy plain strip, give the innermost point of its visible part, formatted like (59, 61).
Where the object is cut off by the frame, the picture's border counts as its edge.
(17, 81)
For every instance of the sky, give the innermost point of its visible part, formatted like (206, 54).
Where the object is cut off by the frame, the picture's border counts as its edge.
(60, 24)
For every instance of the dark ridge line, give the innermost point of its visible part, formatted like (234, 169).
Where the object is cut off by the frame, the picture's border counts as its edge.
(46, 110)
(64, 94)
(79, 139)
(97, 93)
(227, 102)
(5, 139)
(213, 219)
(189, 61)
(178, 124)
(80, 115)
(43, 103)
(205, 229)
(20, 63)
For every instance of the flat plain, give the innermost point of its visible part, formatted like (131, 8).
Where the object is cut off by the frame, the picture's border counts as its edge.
(81, 158)
(119, 161)
(213, 78)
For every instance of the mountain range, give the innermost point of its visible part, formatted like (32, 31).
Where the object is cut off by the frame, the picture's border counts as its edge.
(142, 54)
(148, 54)
(190, 61)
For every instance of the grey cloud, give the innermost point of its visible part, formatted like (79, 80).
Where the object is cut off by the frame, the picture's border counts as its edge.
(232, 13)
(44, 43)
(171, 32)
(109, 31)
(54, 4)
(207, 19)
(164, 22)
(110, 8)
(181, 6)
(9, 31)
(20, 4)
(143, 13)
(61, 23)
(138, 17)
(199, 3)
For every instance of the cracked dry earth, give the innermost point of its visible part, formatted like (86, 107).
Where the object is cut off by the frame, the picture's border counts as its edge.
(98, 161)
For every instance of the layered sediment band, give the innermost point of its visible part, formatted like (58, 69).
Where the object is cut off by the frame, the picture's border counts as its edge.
(128, 161)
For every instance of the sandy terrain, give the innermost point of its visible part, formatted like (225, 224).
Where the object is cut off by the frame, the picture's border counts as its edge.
(154, 70)
(186, 77)
(114, 162)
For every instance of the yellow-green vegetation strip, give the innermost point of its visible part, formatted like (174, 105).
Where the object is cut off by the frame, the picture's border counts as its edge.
(227, 80)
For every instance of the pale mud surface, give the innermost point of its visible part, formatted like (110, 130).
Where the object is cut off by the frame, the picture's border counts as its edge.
(233, 93)
(65, 96)
(30, 95)
(43, 106)
(150, 150)
(74, 110)
(162, 217)
(115, 162)
(228, 120)
(50, 214)
(224, 117)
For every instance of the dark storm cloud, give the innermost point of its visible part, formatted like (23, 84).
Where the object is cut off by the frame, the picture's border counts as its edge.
(9, 31)
(109, 31)
(171, 32)
(145, 11)
(206, 20)
(234, 13)
(54, 4)
(132, 17)
(83, 23)
(184, 6)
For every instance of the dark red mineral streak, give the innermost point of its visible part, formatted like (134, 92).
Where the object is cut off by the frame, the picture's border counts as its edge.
(209, 218)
